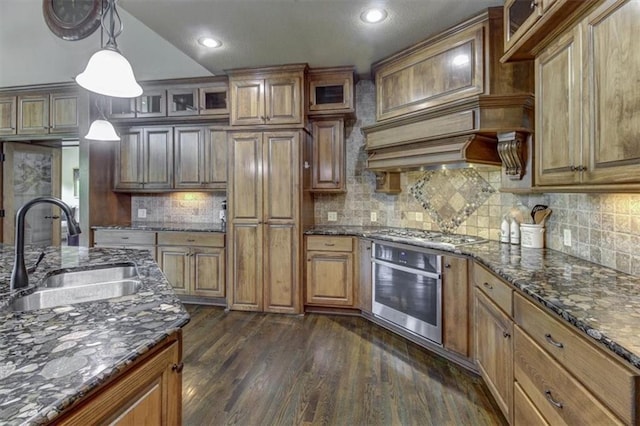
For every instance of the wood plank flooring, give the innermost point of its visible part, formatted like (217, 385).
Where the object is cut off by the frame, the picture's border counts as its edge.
(247, 368)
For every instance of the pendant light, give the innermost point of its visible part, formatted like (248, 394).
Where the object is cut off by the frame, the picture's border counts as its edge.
(108, 72)
(101, 129)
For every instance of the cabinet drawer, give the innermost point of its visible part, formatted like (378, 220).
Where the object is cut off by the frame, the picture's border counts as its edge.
(614, 384)
(178, 238)
(330, 243)
(500, 292)
(123, 237)
(524, 410)
(557, 394)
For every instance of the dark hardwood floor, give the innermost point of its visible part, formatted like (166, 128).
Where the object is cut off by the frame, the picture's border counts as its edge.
(265, 369)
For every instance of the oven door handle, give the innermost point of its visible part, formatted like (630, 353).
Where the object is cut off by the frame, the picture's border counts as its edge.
(408, 270)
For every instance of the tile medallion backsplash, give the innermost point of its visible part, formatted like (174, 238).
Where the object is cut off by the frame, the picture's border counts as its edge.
(451, 196)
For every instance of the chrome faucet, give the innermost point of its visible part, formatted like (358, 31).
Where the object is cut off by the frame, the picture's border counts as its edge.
(19, 277)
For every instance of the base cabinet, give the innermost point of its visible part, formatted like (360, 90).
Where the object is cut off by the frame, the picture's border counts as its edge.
(330, 271)
(149, 392)
(455, 305)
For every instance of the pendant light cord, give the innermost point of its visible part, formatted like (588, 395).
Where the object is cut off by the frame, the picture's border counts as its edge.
(111, 28)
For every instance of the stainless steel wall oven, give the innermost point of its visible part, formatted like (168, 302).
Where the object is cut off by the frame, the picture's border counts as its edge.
(407, 288)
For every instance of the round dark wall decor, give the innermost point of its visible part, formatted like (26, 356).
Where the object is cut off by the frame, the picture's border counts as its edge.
(72, 19)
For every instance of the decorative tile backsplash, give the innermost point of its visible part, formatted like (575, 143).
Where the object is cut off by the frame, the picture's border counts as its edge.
(451, 196)
(178, 207)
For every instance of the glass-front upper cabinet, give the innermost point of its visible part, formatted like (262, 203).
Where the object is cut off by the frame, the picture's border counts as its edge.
(520, 15)
(122, 107)
(331, 90)
(152, 103)
(183, 101)
(214, 100)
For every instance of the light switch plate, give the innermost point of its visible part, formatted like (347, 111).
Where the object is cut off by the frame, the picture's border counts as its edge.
(332, 216)
(142, 213)
(567, 237)
(419, 217)
(374, 217)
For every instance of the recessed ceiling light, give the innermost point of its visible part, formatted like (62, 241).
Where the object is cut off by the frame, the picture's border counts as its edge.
(210, 42)
(373, 16)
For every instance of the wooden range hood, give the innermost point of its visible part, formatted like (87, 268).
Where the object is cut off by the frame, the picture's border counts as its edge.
(455, 136)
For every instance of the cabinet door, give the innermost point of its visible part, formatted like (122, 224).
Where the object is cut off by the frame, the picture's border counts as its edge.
(122, 107)
(329, 278)
(331, 91)
(189, 157)
(281, 268)
(494, 351)
(182, 101)
(247, 102)
(245, 286)
(364, 276)
(64, 113)
(215, 158)
(245, 179)
(328, 161)
(455, 302)
(158, 158)
(519, 16)
(283, 100)
(558, 112)
(128, 164)
(612, 65)
(207, 273)
(8, 113)
(152, 103)
(33, 114)
(524, 410)
(281, 170)
(214, 100)
(174, 262)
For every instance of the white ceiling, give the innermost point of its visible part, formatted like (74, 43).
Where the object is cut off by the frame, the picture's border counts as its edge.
(160, 36)
(319, 32)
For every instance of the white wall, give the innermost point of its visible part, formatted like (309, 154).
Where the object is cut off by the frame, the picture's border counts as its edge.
(31, 54)
(70, 161)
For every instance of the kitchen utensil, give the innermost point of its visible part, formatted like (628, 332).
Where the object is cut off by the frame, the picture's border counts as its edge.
(540, 216)
(516, 214)
(535, 209)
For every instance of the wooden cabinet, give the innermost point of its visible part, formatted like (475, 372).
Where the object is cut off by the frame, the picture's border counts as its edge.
(152, 103)
(128, 239)
(182, 101)
(41, 114)
(493, 333)
(264, 221)
(549, 356)
(8, 114)
(584, 86)
(455, 305)
(193, 262)
(147, 392)
(33, 114)
(331, 91)
(530, 25)
(267, 96)
(330, 271)
(365, 280)
(144, 159)
(63, 112)
(200, 158)
(328, 168)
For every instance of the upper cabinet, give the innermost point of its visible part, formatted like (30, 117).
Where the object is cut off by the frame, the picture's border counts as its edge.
(331, 91)
(186, 99)
(53, 112)
(200, 158)
(268, 96)
(586, 120)
(529, 25)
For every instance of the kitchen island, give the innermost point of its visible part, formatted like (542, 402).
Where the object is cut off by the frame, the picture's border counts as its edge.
(51, 359)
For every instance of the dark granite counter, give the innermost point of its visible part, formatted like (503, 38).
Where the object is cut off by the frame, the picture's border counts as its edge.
(168, 226)
(51, 357)
(602, 303)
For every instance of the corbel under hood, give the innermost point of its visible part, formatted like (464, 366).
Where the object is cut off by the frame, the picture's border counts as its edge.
(456, 135)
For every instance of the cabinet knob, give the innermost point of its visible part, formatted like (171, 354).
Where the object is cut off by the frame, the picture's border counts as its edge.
(506, 335)
(547, 394)
(447, 265)
(533, 4)
(262, 118)
(177, 367)
(268, 118)
(552, 341)
(573, 168)
(487, 285)
(582, 168)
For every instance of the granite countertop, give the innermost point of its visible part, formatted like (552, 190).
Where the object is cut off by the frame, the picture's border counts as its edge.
(601, 302)
(49, 358)
(168, 226)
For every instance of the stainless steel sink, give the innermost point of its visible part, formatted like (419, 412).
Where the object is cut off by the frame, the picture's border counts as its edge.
(81, 286)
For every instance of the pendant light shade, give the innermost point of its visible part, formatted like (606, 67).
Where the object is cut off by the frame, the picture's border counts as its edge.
(102, 130)
(109, 73)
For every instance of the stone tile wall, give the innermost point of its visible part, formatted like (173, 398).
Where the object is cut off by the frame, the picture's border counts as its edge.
(179, 207)
(605, 228)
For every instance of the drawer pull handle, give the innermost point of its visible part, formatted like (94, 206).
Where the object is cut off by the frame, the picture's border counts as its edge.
(329, 244)
(190, 240)
(553, 342)
(547, 394)
(506, 335)
(124, 238)
(487, 285)
(177, 367)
